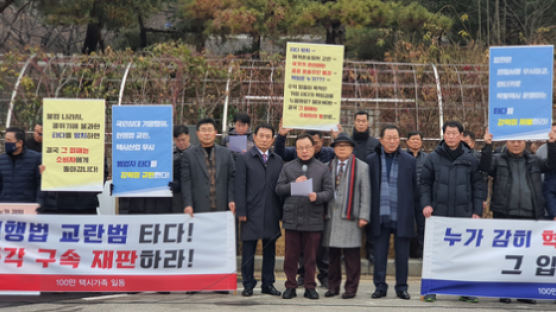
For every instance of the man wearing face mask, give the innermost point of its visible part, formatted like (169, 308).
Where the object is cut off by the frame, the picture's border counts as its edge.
(19, 170)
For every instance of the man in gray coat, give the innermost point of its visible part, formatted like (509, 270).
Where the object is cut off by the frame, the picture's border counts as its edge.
(205, 169)
(258, 208)
(347, 214)
(303, 216)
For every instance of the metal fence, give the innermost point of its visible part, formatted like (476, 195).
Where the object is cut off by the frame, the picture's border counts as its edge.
(413, 96)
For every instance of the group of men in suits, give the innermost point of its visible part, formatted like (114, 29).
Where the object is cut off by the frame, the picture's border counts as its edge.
(389, 191)
(257, 186)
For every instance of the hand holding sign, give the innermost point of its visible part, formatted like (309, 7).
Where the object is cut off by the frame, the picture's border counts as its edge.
(488, 137)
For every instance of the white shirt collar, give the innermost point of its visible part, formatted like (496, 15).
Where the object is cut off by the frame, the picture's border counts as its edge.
(265, 153)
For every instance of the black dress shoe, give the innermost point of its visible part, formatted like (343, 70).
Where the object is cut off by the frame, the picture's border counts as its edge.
(323, 282)
(247, 292)
(331, 293)
(300, 280)
(403, 295)
(270, 290)
(311, 293)
(348, 295)
(289, 293)
(378, 294)
(505, 300)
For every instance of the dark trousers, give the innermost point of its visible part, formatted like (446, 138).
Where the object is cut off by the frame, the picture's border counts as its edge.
(352, 261)
(416, 244)
(381, 246)
(297, 242)
(369, 241)
(248, 263)
(322, 263)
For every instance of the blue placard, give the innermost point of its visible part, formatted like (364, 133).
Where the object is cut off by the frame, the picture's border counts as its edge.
(142, 150)
(520, 92)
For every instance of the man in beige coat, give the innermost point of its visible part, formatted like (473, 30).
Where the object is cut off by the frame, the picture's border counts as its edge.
(347, 214)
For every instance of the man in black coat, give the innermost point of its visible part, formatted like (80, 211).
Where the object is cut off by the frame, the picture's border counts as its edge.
(20, 179)
(394, 208)
(182, 143)
(415, 148)
(259, 209)
(451, 183)
(365, 144)
(322, 153)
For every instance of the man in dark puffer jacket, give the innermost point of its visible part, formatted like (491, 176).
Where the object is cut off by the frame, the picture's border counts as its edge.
(19, 170)
(451, 184)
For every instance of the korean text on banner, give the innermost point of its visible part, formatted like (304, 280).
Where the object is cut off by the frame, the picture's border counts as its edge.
(117, 253)
(73, 145)
(489, 258)
(520, 92)
(142, 150)
(313, 86)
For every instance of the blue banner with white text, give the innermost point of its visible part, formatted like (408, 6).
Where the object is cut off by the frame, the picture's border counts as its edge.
(520, 92)
(142, 150)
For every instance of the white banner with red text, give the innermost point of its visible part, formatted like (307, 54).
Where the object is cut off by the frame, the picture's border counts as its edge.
(498, 258)
(125, 253)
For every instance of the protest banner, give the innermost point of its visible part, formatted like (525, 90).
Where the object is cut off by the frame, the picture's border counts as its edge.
(142, 150)
(73, 145)
(489, 258)
(312, 86)
(66, 253)
(520, 92)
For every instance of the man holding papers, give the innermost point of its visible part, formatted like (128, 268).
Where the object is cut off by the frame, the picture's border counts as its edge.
(303, 215)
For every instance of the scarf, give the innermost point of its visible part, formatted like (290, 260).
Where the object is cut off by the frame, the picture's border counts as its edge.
(347, 188)
(454, 154)
(388, 189)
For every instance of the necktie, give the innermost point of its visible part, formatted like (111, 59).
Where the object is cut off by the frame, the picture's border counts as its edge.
(265, 158)
(339, 174)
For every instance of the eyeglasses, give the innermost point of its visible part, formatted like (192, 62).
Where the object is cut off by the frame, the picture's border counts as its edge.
(305, 148)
